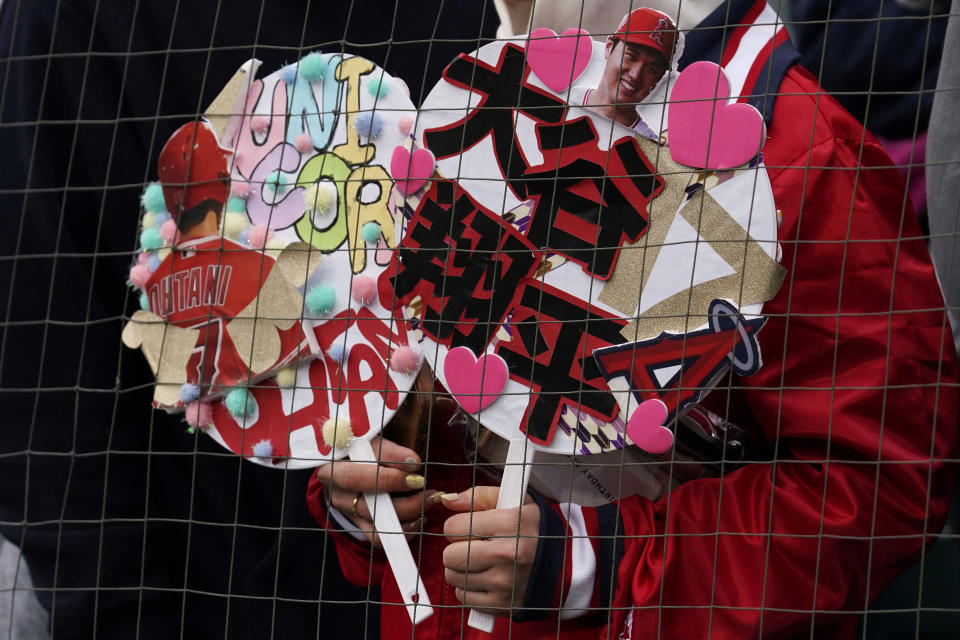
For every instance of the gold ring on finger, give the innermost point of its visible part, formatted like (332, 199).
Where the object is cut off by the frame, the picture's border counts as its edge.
(353, 509)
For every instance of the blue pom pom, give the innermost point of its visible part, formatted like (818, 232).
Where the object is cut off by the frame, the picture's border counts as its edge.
(236, 203)
(275, 180)
(289, 73)
(189, 393)
(144, 302)
(152, 198)
(263, 449)
(320, 299)
(160, 217)
(368, 125)
(153, 262)
(244, 236)
(150, 239)
(378, 87)
(240, 403)
(370, 231)
(339, 349)
(313, 66)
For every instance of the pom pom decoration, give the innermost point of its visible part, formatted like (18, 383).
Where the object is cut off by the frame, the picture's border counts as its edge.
(405, 360)
(150, 239)
(313, 66)
(368, 125)
(404, 125)
(240, 402)
(144, 302)
(370, 231)
(149, 220)
(199, 415)
(257, 236)
(240, 190)
(263, 450)
(144, 258)
(337, 432)
(259, 124)
(275, 181)
(244, 236)
(168, 232)
(152, 198)
(233, 223)
(159, 217)
(286, 377)
(303, 143)
(163, 253)
(364, 290)
(339, 350)
(153, 262)
(289, 73)
(139, 274)
(321, 299)
(320, 197)
(189, 393)
(378, 87)
(236, 204)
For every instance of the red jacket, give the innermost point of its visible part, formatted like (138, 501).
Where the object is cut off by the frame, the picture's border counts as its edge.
(857, 396)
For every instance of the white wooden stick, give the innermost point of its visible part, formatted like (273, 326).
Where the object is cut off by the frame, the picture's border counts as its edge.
(513, 488)
(387, 525)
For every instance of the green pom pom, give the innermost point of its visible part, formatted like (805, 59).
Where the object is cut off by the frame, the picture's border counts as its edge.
(320, 299)
(312, 66)
(370, 231)
(152, 198)
(236, 204)
(240, 403)
(144, 302)
(378, 87)
(150, 239)
(275, 180)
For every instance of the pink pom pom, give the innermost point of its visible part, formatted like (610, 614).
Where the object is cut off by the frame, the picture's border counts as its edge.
(257, 236)
(405, 124)
(143, 258)
(168, 232)
(259, 123)
(240, 189)
(139, 275)
(405, 360)
(303, 143)
(364, 290)
(199, 415)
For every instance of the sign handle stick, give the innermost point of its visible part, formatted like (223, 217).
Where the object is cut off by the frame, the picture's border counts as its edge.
(513, 487)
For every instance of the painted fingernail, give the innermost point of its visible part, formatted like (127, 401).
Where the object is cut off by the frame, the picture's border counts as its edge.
(415, 481)
(435, 497)
(414, 525)
(411, 460)
(449, 497)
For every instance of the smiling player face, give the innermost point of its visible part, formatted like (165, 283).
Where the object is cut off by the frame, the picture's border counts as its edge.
(631, 72)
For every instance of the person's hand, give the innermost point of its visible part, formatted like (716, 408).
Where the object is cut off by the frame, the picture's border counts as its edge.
(398, 471)
(501, 545)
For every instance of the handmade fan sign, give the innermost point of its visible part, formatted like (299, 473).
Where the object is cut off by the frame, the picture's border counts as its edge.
(553, 233)
(262, 244)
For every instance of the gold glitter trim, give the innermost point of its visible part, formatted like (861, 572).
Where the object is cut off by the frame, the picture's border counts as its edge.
(167, 349)
(254, 331)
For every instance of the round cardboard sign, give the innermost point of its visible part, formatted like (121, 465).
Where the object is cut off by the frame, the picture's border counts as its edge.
(563, 267)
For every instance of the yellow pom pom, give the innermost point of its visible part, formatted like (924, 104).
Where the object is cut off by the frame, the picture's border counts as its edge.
(233, 223)
(338, 432)
(286, 377)
(149, 220)
(163, 253)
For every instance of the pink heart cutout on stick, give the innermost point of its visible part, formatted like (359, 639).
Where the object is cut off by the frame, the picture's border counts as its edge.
(645, 427)
(411, 171)
(559, 60)
(705, 131)
(475, 382)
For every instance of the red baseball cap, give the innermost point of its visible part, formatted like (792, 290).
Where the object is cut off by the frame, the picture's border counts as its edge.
(193, 167)
(649, 28)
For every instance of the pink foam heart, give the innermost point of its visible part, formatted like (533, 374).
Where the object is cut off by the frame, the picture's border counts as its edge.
(559, 60)
(474, 382)
(705, 131)
(411, 171)
(645, 427)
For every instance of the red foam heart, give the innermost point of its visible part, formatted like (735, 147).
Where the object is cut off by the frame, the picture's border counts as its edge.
(705, 131)
(559, 60)
(474, 382)
(645, 427)
(411, 171)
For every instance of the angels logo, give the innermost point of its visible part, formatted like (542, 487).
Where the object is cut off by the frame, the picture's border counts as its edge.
(663, 24)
